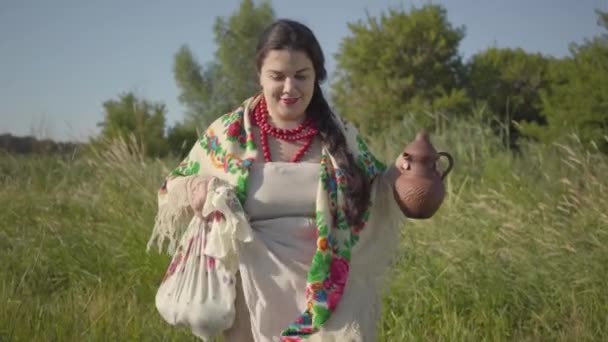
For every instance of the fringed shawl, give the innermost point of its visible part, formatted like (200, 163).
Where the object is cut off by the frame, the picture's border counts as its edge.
(226, 151)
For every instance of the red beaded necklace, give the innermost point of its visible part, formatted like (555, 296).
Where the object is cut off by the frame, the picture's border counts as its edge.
(306, 132)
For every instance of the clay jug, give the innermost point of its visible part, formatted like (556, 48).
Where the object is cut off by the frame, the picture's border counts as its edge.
(419, 190)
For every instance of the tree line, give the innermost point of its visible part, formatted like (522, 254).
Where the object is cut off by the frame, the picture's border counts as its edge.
(400, 65)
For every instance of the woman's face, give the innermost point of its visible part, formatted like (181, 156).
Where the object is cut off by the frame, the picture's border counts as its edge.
(287, 78)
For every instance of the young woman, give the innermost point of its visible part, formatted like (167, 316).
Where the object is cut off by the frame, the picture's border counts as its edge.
(320, 205)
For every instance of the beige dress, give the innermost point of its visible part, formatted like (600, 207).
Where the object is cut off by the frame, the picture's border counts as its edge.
(273, 268)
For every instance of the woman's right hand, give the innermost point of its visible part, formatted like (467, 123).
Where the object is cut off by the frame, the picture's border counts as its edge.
(197, 194)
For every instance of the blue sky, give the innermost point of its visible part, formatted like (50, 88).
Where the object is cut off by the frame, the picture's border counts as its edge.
(61, 59)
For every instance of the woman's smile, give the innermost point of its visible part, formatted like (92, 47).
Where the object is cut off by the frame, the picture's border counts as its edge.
(289, 101)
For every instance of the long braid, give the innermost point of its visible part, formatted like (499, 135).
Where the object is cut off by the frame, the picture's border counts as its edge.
(358, 191)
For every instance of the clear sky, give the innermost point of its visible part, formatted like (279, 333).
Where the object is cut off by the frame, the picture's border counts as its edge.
(61, 59)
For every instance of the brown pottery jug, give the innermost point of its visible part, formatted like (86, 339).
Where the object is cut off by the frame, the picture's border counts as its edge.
(419, 190)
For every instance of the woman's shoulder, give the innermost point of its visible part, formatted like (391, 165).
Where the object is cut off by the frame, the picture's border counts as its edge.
(235, 114)
(233, 117)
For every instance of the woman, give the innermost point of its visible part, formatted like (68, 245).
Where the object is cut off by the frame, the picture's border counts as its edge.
(321, 206)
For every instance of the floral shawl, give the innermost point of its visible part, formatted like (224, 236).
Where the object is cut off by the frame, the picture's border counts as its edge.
(226, 150)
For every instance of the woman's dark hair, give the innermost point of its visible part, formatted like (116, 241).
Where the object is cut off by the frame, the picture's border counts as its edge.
(289, 34)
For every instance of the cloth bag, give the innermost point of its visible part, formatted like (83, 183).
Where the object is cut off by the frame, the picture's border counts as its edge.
(199, 286)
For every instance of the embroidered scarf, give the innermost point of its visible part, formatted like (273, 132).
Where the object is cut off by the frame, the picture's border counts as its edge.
(227, 149)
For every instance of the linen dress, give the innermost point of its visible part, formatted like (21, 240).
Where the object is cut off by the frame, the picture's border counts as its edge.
(273, 268)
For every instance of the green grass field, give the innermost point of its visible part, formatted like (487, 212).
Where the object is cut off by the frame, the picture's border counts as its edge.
(518, 252)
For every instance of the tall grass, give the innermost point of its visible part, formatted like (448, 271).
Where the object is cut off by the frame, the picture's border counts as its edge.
(72, 245)
(518, 252)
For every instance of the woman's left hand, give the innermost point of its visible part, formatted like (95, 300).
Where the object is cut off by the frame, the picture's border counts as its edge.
(400, 162)
(395, 170)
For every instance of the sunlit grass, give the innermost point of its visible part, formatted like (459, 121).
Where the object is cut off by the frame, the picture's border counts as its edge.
(518, 252)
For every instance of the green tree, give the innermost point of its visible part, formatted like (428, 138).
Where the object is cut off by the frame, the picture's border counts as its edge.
(129, 116)
(402, 63)
(200, 88)
(509, 83)
(577, 99)
(211, 90)
(236, 38)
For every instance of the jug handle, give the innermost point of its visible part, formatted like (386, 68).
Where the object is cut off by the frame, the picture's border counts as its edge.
(450, 163)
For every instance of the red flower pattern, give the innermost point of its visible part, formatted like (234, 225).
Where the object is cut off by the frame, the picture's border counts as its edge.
(234, 130)
(338, 271)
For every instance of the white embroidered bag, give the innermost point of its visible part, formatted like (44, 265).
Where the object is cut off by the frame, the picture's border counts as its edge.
(198, 289)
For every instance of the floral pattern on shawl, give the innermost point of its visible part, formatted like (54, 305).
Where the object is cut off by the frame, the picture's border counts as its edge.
(227, 150)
